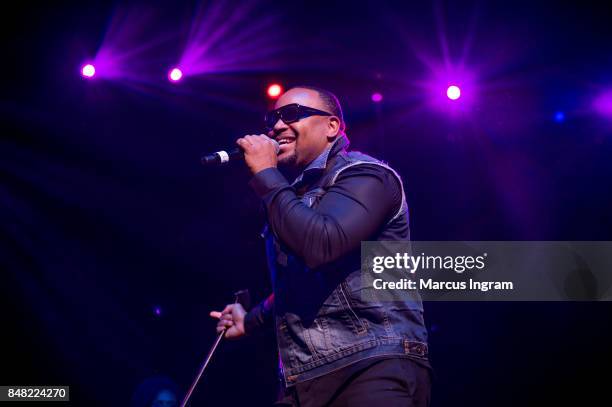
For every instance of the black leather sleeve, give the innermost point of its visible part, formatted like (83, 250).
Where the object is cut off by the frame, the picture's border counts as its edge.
(360, 202)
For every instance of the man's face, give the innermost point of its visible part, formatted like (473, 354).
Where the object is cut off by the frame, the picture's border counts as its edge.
(308, 137)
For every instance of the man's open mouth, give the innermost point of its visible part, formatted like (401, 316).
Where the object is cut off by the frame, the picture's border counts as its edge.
(283, 141)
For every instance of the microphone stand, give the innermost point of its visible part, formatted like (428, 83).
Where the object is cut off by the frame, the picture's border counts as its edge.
(241, 297)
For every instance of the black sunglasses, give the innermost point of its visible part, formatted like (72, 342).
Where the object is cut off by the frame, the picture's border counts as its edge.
(291, 114)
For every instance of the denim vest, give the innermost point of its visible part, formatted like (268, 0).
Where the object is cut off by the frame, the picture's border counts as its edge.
(322, 323)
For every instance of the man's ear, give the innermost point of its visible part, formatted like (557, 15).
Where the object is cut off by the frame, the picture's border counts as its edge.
(335, 126)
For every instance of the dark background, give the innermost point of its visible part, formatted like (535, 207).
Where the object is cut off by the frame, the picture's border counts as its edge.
(105, 212)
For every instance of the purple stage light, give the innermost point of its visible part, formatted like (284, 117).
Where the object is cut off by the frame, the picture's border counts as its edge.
(175, 75)
(129, 51)
(227, 37)
(377, 97)
(559, 117)
(453, 92)
(157, 311)
(88, 71)
(603, 104)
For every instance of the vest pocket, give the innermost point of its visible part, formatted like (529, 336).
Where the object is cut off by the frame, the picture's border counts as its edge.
(359, 326)
(308, 343)
(319, 338)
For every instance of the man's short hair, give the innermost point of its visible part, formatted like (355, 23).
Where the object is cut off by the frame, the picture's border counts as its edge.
(330, 101)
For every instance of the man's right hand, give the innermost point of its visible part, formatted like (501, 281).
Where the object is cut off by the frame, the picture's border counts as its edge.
(232, 318)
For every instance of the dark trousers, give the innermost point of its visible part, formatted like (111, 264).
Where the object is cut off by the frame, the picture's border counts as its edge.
(384, 383)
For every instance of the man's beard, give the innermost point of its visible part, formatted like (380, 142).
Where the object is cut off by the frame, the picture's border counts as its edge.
(288, 166)
(289, 162)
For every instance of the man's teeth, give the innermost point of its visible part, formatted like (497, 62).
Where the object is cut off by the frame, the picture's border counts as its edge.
(284, 141)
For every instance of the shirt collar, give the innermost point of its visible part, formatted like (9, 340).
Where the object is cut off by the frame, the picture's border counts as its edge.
(320, 162)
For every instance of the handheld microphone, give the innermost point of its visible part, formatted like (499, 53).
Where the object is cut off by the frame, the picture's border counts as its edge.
(225, 156)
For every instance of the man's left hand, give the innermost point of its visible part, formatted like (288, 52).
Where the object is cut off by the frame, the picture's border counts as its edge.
(259, 152)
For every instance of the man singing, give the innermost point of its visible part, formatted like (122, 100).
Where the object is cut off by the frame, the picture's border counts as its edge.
(335, 347)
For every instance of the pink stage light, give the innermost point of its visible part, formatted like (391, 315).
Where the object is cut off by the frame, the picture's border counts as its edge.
(453, 92)
(377, 97)
(175, 75)
(88, 71)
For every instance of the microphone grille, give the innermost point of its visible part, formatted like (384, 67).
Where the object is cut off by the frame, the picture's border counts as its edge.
(276, 145)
